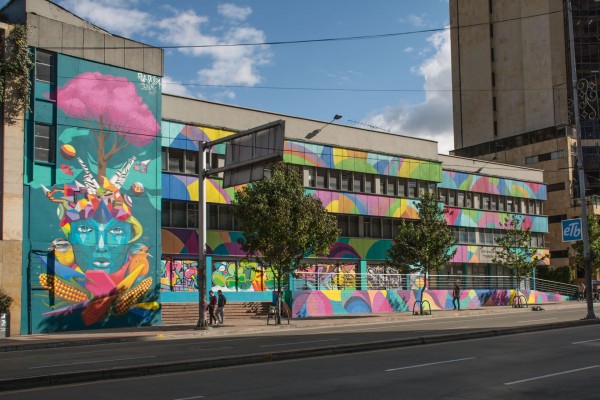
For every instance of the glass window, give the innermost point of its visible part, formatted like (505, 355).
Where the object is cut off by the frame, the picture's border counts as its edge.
(366, 227)
(501, 203)
(191, 162)
(175, 160)
(369, 186)
(310, 176)
(460, 199)
(469, 200)
(44, 143)
(346, 181)
(387, 228)
(192, 215)
(178, 214)
(376, 227)
(164, 158)
(493, 202)
(225, 218)
(213, 216)
(401, 187)
(382, 184)
(472, 235)
(391, 186)
(333, 179)
(452, 198)
(510, 204)
(485, 199)
(44, 66)
(357, 183)
(412, 189)
(165, 213)
(321, 178)
(343, 224)
(431, 188)
(353, 225)
(443, 195)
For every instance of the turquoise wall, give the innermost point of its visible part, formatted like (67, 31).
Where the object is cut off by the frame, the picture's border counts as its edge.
(92, 239)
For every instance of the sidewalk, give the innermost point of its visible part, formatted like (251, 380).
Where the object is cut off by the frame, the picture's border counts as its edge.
(238, 326)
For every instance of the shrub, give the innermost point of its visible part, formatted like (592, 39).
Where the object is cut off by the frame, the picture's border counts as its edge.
(5, 302)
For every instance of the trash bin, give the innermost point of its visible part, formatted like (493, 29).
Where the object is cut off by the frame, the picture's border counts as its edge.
(4, 325)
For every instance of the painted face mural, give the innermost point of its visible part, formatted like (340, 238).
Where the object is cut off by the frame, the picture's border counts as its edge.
(102, 267)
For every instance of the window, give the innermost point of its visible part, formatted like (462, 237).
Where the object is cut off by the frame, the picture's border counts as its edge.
(443, 195)
(469, 200)
(387, 228)
(553, 219)
(485, 199)
(310, 177)
(412, 189)
(321, 178)
(333, 179)
(369, 186)
(382, 185)
(460, 199)
(191, 162)
(45, 137)
(375, 227)
(366, 227)
(451, 198)
(357, 183)
(185, 161)
(431, 188)
(178, 214)
(559, 254)
(192, 215)
(346, 181)
(493, 202)
(401, 187)
(44, 66)
(216, 161)
(391, 186)
(220, 217)
(555, 187)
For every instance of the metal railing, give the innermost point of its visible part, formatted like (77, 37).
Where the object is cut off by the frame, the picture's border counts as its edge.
(355, 281)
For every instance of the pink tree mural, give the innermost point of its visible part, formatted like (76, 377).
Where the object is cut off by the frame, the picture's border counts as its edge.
(113, 104)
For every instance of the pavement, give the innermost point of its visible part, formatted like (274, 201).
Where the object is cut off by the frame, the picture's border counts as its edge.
(243, 326)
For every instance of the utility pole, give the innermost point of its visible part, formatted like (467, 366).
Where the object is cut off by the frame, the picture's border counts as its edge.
(201, 272)
(580, 170)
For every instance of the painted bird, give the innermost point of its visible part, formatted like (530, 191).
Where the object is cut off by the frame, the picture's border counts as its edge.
(138, 256)
(63, 251)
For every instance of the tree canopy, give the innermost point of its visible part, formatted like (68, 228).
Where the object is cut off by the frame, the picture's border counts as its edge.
(15, 82)
(594, 241)
(515, 251)
(281, 224)
(425, 245)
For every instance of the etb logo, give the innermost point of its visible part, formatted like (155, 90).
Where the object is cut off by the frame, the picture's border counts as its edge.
(571, 230)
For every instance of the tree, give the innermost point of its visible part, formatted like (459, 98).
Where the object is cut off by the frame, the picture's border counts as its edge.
(515, 251)
(423, 246)
(594, 242)
(281, 224)
(15, 81)
(114, 104)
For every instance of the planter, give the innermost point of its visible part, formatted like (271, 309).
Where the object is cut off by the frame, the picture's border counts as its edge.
(4, 325)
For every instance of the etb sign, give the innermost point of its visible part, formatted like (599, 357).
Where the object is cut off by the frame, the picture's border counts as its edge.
(571, 230)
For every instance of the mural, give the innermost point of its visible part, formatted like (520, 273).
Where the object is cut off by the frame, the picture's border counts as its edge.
(493, 220)
(241, 276)
(360, 161)
(492, 185)
(179, 275)
(104, 200)
(321, 303)
(327, 277)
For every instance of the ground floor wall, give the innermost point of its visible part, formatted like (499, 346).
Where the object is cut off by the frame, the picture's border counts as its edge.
(10, 279)
(324, 303)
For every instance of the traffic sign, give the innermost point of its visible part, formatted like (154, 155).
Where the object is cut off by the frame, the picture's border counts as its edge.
(571, 230)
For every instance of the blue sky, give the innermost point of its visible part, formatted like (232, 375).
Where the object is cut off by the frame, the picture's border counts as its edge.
(415, 66)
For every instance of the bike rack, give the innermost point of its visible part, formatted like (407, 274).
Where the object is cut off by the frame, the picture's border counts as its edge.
(426, 304)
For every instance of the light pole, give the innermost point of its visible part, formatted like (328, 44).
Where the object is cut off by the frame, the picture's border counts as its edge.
(581, 173)
(201, 324)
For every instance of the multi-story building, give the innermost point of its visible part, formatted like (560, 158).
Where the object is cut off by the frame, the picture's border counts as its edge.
(100, 192)
(513, 95)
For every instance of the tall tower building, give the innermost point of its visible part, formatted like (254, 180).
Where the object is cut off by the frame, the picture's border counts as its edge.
(512, 95)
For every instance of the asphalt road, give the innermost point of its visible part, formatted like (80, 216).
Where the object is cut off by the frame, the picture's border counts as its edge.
(556, 364)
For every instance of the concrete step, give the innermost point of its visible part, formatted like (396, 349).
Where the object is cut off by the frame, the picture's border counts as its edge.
(187, 313)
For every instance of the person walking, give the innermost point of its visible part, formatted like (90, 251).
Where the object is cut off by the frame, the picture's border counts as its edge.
(456, 296)
(212, 303)
(221, 301)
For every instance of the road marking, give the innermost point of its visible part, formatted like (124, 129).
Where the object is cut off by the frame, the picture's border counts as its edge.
(190, 398)
(551, 375)
(537, 320)
(428, 364)
(90, 362)
(287, 344)
(586, 341)
(459, 327)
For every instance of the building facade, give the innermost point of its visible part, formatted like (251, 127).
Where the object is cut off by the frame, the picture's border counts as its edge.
(513, 95)
(100, 193)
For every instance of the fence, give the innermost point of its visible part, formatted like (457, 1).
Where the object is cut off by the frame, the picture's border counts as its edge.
(380, 281)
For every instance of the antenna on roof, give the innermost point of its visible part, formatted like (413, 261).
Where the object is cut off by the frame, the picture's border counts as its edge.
(377, 128)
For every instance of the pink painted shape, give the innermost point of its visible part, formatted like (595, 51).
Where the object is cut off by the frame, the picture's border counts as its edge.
(99, 283)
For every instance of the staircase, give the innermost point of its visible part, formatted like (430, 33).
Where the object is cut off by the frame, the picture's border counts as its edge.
(187, 313)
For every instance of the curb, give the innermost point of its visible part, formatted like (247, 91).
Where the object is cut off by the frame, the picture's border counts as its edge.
(257, 358)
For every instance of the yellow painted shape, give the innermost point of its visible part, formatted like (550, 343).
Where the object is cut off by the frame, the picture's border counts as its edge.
(128, 282)
(333, 295)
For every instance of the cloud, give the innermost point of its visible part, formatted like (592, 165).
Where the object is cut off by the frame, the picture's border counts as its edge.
(114, 16)
(234, 12)
(431, 119)
(175, 87)
(408, 50)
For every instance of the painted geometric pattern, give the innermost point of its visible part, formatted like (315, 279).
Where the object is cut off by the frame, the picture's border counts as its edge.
(492, 185)
(324, 303)
(182, 136)
(360, 161)
(493, 220)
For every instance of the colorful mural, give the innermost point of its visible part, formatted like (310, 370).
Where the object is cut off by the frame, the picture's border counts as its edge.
(179, 275)
(327, 277)
(492, 219)
(97, 207)
(322, 303)
(241, 276)
(492, 185)
(360, 161)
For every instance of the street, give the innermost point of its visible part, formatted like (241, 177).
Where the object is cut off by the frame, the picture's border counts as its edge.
(557, 364)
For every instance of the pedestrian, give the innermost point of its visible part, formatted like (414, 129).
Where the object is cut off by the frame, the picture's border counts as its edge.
(581, 291)
(221, 301)
(212, 303)
(456, 296)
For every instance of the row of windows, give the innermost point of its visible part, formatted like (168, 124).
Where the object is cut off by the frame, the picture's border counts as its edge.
(493, 202)
(186, 161)
(555, 155)
(44, 135)
(489, 236)
(347, 181)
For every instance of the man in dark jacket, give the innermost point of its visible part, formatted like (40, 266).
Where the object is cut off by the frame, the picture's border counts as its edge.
(456, 296)
(221, 301)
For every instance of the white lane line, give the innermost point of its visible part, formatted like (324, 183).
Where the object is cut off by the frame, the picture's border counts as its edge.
(586, 341)
(537, 320)
(287, 344)
(551, 375)
(190, 398)
(459, 327)
(428, 364)
(90, 362)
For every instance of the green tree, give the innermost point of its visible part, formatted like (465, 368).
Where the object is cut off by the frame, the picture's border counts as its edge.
(515, 251)
(281, 224)
(426, 245)
(15, 82)
(594, 241)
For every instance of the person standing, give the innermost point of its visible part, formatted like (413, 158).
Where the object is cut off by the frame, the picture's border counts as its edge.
(581, 292)
(221, 301)
(456, 296)
(212, 303)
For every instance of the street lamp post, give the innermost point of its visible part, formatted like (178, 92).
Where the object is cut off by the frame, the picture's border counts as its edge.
(580, 170)
(201, 324)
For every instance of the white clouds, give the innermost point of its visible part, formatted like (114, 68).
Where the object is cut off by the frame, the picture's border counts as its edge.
(235, 65)
(431, 119)
(175, 87)
(234, 12)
